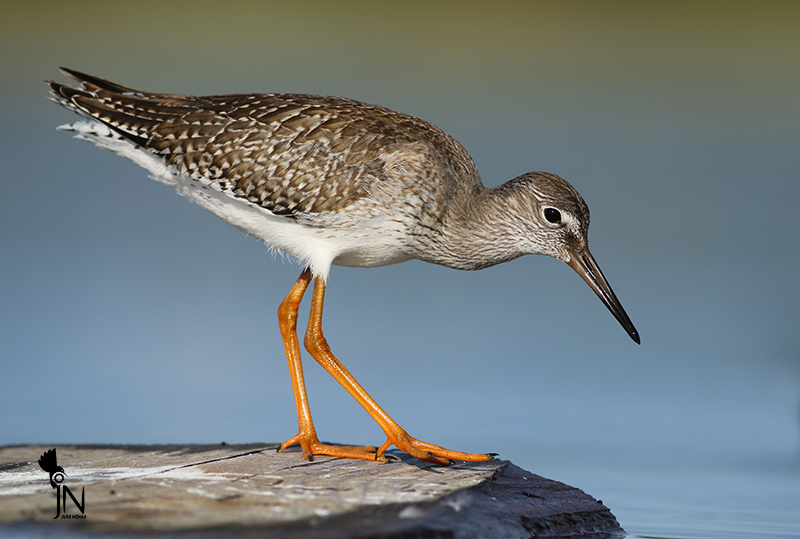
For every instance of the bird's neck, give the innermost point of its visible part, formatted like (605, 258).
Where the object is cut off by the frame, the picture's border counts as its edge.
(479, 231)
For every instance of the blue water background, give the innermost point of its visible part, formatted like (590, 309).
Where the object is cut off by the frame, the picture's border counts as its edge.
(128, 315)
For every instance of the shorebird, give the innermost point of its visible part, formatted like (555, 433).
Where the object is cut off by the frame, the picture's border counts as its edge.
(330, 180)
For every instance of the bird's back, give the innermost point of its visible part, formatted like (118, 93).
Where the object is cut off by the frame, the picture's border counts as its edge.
(325, 162)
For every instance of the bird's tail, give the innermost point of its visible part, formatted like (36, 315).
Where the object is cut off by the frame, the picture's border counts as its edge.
(118, 118)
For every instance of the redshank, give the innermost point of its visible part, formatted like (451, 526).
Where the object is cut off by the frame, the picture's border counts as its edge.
(329, 181)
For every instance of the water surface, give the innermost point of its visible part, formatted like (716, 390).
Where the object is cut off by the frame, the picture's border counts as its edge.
(127, 315)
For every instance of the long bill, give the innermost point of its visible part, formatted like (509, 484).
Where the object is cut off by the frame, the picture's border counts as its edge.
(583, 263)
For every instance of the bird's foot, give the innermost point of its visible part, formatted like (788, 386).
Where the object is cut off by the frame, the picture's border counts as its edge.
(311, 446)
(428, 452)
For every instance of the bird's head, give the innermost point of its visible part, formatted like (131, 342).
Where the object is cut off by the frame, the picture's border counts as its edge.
(558, 221)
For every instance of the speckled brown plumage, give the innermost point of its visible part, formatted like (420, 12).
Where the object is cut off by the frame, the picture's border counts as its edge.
(288, 153)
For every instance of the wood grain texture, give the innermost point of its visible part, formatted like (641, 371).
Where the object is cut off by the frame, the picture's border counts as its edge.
(249, 491)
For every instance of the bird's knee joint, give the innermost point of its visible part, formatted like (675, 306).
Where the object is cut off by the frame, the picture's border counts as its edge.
(315, 342)
(287, 310)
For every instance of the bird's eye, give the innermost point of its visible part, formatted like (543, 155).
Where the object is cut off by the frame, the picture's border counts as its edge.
(552, 215)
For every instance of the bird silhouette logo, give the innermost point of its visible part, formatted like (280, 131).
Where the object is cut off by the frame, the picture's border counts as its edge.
(49, 463)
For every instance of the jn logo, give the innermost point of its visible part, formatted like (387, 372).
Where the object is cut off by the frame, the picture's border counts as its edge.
(49, 464)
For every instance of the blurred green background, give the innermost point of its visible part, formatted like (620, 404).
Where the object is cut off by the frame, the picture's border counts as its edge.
(128, 315)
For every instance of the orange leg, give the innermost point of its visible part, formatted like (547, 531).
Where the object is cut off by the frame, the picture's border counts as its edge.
(318, 347)
(307, 435)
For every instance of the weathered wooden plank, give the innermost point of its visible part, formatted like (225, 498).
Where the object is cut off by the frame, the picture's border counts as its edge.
(216, 491)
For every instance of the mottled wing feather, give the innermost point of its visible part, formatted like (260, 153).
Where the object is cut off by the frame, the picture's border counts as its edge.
(287, 153)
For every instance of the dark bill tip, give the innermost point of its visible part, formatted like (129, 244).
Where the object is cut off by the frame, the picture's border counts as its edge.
(584, 265)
